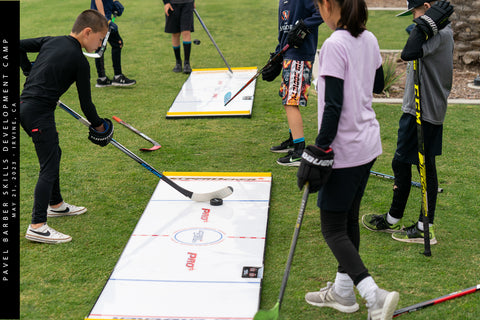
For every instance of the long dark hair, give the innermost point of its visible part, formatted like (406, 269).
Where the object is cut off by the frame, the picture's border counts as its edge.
(354, 15)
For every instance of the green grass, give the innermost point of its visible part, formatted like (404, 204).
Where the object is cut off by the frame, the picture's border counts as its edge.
(64, 281)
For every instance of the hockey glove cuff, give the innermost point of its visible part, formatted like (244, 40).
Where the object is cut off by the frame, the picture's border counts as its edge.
(435, 18)
(102, 138)
(315, 167)
(296, 36)
(273, 68)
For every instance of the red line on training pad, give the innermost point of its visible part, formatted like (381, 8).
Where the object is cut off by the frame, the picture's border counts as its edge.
(232, 237)
(150, 235)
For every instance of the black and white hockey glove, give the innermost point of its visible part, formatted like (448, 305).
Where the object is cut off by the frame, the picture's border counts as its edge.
(273, 68)
(315, 167)
(296, 36)
(435, 18)
(102, 138)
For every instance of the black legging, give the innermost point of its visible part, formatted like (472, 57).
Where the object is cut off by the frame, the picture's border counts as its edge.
(41, 128)
(402, 186)
(341, 229)
(116, 43)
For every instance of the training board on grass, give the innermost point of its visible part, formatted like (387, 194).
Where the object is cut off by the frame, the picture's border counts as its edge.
(191, 260)
(203, 94)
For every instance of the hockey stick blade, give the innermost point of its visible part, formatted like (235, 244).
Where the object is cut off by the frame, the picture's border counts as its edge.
(257, 74)
(435, 301)
(199, 197)
(156, 145)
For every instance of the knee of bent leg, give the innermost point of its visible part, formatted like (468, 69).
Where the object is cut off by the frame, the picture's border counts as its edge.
(403, 174)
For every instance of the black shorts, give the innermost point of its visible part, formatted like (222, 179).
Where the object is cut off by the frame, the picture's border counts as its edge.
(343, 187)
(407, 142)
(180, 19)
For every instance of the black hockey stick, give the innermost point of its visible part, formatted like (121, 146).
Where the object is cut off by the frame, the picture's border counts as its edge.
(100, 51)
(156, 145)
(435, 301)
(389, 177)
(421, 157)
(211, 38)
(273, 314)
(200, 197)
(227, 98)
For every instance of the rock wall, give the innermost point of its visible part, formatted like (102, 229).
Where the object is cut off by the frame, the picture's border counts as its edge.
(466, 27)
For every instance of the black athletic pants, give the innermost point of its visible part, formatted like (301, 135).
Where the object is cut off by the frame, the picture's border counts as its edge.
(339, 201)
(41, 128)
(116, 43)
(402, 186)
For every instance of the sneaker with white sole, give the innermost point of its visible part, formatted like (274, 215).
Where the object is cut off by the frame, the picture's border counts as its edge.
(414, 235)
(103, 82)
(65, 210)
(384, 306)
(378, 222)
(291, 160)
(45, 234)
(286, 146)
(327, 297)
(122, 81)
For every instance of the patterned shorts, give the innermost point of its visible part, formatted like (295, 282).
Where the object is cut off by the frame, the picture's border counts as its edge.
(296, 79)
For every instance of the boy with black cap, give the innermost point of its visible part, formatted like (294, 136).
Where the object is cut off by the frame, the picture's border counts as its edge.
(430, 41)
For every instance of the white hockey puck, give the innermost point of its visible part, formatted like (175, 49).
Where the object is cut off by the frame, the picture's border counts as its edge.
(216, 202)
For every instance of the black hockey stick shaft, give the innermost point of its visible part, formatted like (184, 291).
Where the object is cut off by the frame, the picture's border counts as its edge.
(421, 157)
(259, 72)
(189, 194)
(211, 38)
(293, 245)
(389, 177)
(435, 301)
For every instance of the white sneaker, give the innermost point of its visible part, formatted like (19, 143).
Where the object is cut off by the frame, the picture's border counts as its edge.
(327, 297)
(65, 210)
(46, 234)
(384, 306)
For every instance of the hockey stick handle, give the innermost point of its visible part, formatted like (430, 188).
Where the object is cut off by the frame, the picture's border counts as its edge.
(275, 57)
(293, 245)
(421, 157)
(389, 177)
(435, 301)
(84, 121)
(211, 38)
(135, 130)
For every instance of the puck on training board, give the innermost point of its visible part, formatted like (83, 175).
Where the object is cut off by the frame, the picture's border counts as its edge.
(216, 202)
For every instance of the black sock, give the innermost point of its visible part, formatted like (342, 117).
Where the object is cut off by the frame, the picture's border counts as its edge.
(176, 50)
(187, 47)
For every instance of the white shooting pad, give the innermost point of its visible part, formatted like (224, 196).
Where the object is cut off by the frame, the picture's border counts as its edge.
(203, 94)
(185, 259)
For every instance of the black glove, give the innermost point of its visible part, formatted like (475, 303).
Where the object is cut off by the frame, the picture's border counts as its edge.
(102, 138)
(118, 8)
(315, 167)
(273, 68)
(297, 34)
(113, 26)
(435, 18)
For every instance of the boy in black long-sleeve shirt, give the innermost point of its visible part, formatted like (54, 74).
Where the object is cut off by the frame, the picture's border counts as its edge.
(60, 63)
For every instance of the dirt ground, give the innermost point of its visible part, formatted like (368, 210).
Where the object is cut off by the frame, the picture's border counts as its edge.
(462, 75)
